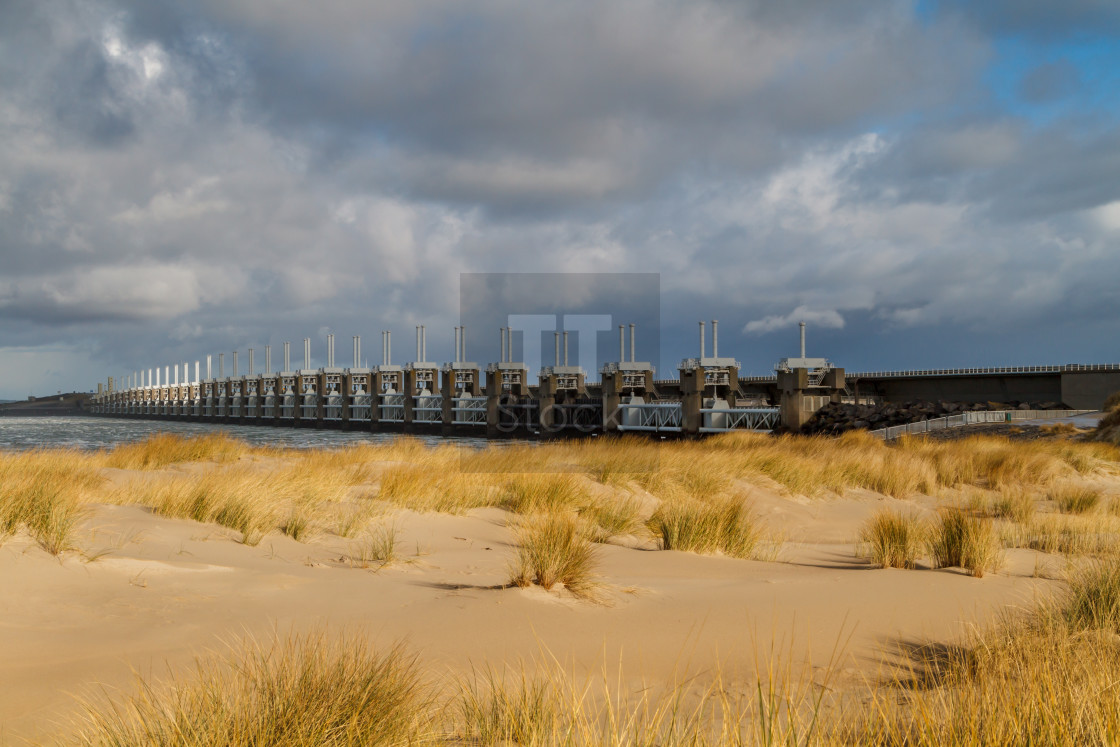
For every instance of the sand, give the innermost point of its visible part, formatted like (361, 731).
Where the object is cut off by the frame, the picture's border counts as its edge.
(148, 594)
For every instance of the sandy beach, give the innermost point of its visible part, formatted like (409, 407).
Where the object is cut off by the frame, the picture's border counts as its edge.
(145, 594)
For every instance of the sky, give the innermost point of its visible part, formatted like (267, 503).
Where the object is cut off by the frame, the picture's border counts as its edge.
(925, 183)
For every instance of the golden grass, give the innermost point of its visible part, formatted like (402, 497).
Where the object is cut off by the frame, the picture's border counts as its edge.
(691, 525)
(379, 547)
(1071, 535)
(1074, 499)
(310, 493)
(308, 691)
(962, 540)
(893, 539)
(1047, 677)
(42, 491)
(543, 493)
(1015, 504)
(555, 549)
(162, 449)
(608, 518)
(1042, 677)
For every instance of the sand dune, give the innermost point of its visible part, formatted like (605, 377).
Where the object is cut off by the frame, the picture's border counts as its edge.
(148, 594)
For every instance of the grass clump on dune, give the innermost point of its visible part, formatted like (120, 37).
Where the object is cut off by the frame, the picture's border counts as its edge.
(612, 518)
(555, 549)
(1041, 677)
(239, 499)
(1074, 499)
(41, 492)
(543, 493)
(1015, 504)
(379, 546)
(1070, 535)
(1094, 598)
(256, 490)
(893, 539)
(526, 711)
(307, 691)
(162, 449)
(692, 525)
(1045, 677)
(962, 540)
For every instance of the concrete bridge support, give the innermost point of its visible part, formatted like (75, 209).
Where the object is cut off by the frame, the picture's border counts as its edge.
(800, 397)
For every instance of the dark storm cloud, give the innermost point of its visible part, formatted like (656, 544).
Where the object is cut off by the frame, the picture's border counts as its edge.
(577, 101)
(1042, 18)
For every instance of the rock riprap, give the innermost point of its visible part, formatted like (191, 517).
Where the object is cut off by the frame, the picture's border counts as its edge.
(838, 418)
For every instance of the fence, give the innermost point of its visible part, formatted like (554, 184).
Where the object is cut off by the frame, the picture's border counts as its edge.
(1071, 367)
(972, 418)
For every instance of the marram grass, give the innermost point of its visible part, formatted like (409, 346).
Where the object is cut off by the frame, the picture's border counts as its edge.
(1044, 677)
(555, 549)
(964, 540)
(893, 539)
(254, 491)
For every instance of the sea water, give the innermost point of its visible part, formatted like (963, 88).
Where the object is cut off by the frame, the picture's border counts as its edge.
(92, 433)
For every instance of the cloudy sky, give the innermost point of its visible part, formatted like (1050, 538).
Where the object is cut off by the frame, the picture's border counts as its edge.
(925, 183)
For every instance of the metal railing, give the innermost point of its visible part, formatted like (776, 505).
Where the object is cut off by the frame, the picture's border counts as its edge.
(972, 418)
(427, 408)
(391, 409)
(309, 406)
(332, 407)
(657, 416)
(361, 407)
(1069, 368)
(469, 411)
(719, 420)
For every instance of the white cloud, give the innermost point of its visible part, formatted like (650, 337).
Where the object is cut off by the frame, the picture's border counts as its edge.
(1108, 216)
(826, 318)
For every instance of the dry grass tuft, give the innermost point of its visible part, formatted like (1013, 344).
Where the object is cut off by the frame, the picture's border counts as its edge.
(893, 539)
(258, 490)
(162, 449)
(1015, 504)
(1045, 677)
(379, 547)
(1074, 499)
(308, 691)
(962, 540)
(613, 518)
(494, 711)
(298, 524)
(1070, 535)
(690, 525)
(1094, 598)
(543, 493)
(42, 492)
(1059, 429)
(555, 549)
